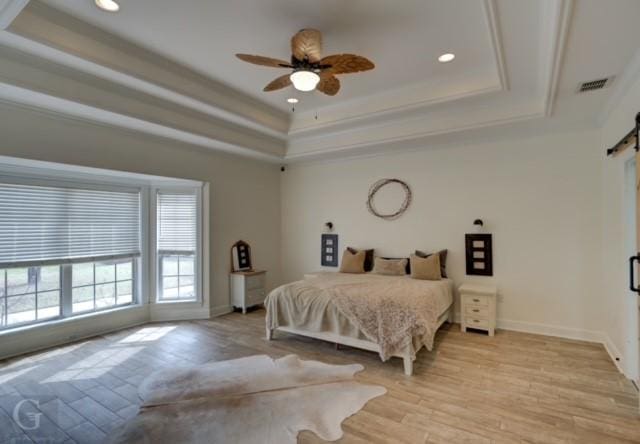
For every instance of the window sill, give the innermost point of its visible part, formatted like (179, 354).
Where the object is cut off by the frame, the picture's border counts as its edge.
(183, 301)
(69, 320)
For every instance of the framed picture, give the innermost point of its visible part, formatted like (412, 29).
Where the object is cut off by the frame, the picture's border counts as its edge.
(479, 253)
(329, 250)
(241, 256)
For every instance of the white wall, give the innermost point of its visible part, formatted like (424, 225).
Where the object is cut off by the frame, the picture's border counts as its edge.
(540, 197)
(244, 194)
(619, 310)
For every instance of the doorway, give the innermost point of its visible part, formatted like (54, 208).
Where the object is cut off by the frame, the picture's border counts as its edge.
(632, 308)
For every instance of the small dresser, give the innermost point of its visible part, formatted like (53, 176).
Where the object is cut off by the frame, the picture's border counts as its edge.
(478, 307)
(247, 288)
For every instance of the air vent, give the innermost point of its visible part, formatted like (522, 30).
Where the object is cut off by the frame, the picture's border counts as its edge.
(594, 84)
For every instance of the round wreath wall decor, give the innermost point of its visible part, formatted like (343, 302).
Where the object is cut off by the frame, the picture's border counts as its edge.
(376, 187)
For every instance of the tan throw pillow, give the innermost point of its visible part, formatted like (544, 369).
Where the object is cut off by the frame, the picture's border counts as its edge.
(390, 267)
(368, 258)
(426, 268)
(443, 260)
(352, 262)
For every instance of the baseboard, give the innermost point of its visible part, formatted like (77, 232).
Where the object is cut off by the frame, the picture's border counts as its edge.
(40, 337)
(551, 330)
(614, 353)
(221, 310)
(174, 313)
(563, 332)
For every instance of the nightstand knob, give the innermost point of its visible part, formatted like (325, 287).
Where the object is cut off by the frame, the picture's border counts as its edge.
(475, 310)
(476, 321)
(476, 300)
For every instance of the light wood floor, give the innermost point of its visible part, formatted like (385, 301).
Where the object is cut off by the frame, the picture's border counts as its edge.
(511, 388)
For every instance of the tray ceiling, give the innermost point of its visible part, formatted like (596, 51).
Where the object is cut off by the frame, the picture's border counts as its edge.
(168, 68)
(403, 40)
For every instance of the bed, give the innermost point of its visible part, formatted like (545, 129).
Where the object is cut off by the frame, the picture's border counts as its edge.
(395, 316)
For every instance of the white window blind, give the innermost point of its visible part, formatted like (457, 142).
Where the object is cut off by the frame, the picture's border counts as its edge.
(177, 222)
(40, 224)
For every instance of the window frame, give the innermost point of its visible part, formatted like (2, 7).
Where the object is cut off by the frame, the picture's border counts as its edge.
(145, 305)
(156, 256)
(20, 177)
(66, 293)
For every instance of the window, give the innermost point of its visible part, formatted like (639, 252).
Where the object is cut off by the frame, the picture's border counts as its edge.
(99, 285)
(29, 294)
(177, 240)
(65, 250)
(76, 240)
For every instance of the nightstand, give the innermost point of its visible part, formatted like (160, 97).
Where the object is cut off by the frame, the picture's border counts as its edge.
(478, 307)
(247, 288)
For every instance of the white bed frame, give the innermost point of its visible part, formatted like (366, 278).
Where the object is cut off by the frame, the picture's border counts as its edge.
(359, 343)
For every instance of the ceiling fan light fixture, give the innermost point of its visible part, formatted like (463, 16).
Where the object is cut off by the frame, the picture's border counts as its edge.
(292, 100)
(444, 58)
(304, 80)
(108, 5)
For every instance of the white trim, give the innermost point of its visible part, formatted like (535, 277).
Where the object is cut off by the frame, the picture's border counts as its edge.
(578, 334)
(9, 10)
(614, 353)
(37, 336)
(390, 144)
(41, 336)
(221, 310)
(75, 173)
(178, 312)
(51, 54)
(551, 330)
(493, 23)
(207, 297)
(198, 191)
(558, 36)
(35, 100)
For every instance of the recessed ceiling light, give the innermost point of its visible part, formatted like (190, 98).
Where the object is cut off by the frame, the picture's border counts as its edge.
(444, 58)
(108, 5)
(292, 100)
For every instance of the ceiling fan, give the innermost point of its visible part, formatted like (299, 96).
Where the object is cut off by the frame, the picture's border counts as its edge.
(310, 70)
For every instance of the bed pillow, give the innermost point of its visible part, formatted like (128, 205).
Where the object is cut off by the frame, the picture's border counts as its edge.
(352, 262)
(368, 257)
(443, 260)
(390, 267)
(407, 268)
(426, 268)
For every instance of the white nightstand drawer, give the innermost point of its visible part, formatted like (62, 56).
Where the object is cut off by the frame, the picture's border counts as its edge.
(478, 307)
(256, 296)
(476, 312)
(256, 281)
(476, 322)
(473, 299)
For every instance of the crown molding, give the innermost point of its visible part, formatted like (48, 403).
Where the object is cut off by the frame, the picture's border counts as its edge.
(415, 102)
(391, 145)
(491, 15)
(559, 21)
(33, 48)
(9, 10)
(60, 37)
(120, 84)
(416, 134)
(71, 110)
(389, 114)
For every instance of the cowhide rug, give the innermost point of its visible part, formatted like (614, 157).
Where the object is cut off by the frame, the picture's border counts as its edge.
(250, 400)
